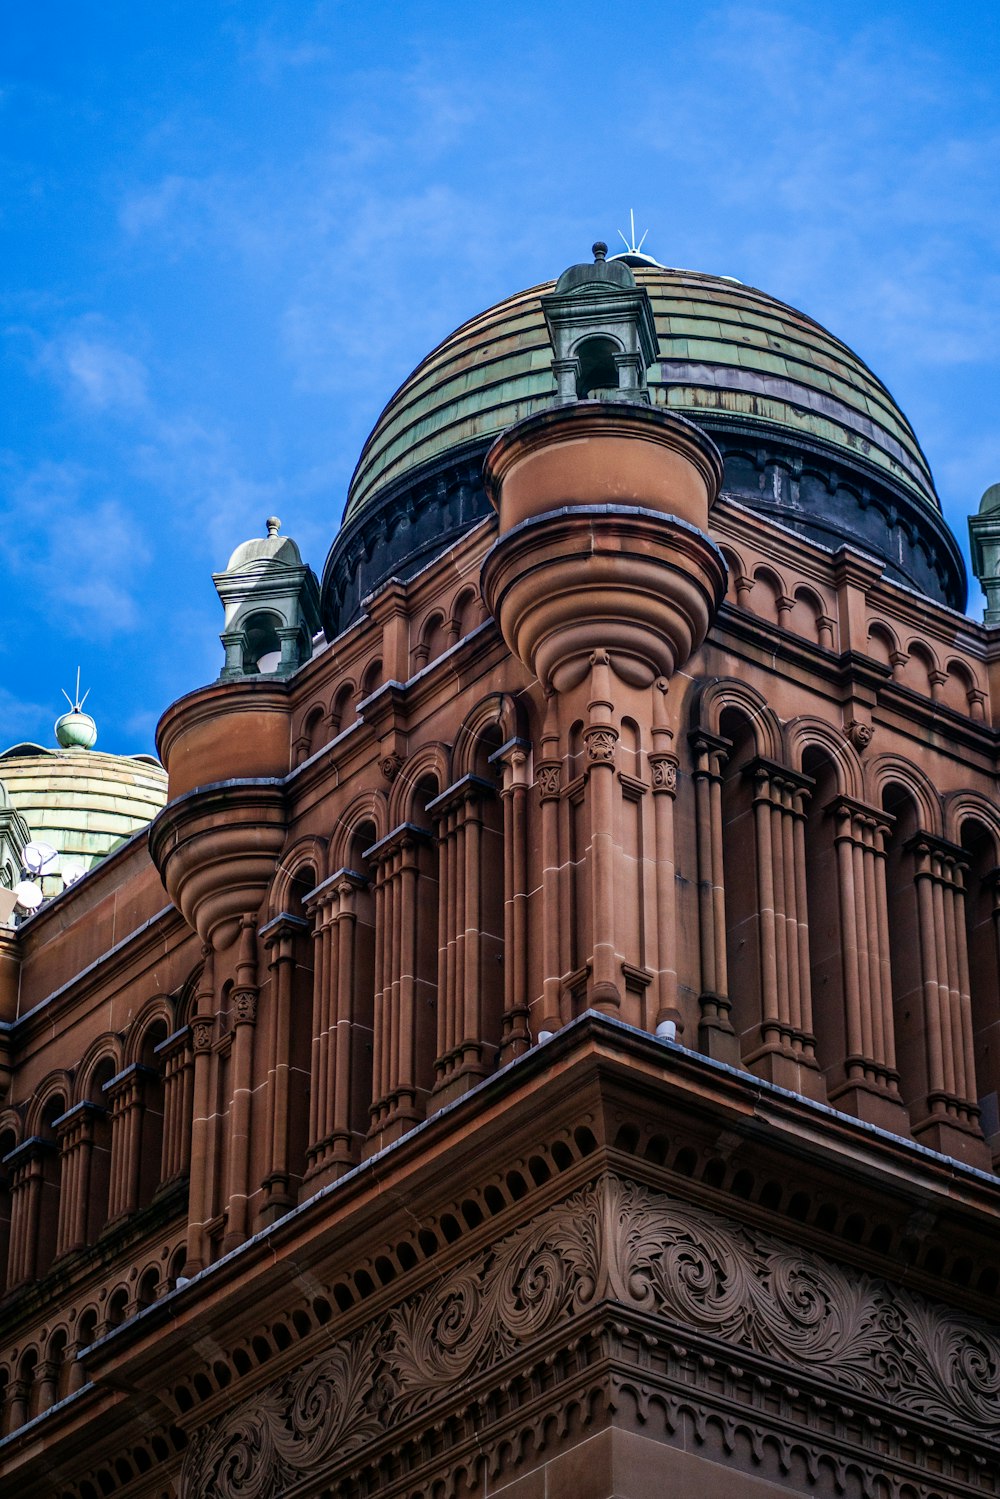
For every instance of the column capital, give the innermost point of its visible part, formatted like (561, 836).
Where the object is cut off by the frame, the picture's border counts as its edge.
(468, 789)
(280, 927)
(176, 1044)
(663, 772)
(126, 1087)
(711, 751)
(77, 1124)
(406, 836)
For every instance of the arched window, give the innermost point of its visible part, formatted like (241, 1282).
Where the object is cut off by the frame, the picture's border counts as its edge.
(50, 1178)
(742, 908)
(99, 1182)
(982, 912)
(598, 370)
(151, 1147)
(826, 922)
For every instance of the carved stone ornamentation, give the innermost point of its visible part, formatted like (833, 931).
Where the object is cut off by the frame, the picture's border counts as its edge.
(548, 781)
(201, 1034)
(244, 1007)
(390, 766)
(614, 1242)
(860, 734)
(601, 743)
(664, 773)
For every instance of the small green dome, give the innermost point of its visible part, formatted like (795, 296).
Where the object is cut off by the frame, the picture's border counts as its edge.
(79, 801)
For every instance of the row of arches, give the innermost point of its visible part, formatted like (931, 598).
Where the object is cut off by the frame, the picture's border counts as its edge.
(805, 610)
(94, 1146)
(856, 938)
(441, 627)
(46, 1370)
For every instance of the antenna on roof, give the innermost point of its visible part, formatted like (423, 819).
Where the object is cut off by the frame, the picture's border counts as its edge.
(633, 254)
(630, 244)
(76, 703)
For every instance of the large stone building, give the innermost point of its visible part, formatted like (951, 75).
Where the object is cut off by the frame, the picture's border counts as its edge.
(565, 1059)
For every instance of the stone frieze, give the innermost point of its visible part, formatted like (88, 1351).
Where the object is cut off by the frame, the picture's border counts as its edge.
(617, 1242)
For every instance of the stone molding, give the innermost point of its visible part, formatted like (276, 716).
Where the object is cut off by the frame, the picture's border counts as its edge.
(687, 1274)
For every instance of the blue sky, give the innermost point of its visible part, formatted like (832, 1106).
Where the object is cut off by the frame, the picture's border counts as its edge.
(229, 230)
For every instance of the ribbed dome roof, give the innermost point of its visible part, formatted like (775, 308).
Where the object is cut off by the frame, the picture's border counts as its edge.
(725, 348)
(82, 802)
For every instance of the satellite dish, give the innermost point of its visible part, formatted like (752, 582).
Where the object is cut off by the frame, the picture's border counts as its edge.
(28, 895)
(72, 869)
(37, 855)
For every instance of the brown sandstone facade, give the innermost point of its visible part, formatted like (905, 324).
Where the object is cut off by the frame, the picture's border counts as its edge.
(565, 1058)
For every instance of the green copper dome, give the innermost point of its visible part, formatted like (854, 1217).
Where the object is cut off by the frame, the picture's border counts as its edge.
(809, 437)
(726, 351)
(81, 802)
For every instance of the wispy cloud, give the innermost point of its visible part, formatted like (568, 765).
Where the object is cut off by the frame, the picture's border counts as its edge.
(80, 552)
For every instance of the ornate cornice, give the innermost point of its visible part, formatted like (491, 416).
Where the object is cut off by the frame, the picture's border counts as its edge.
(612, 1249)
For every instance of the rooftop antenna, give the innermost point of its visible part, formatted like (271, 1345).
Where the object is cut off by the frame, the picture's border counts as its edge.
(630, 244)
(76, 703)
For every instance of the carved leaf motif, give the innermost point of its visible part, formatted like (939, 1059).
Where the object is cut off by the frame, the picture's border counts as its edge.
(238, 1459)
(619, 1242)
(325, 1405)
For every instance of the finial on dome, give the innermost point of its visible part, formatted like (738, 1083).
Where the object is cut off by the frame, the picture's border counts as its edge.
(273, 525)
(76, 729)
(600, 250)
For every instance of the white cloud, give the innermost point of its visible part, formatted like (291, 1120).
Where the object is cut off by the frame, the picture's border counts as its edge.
(93, 367)
(80, 553)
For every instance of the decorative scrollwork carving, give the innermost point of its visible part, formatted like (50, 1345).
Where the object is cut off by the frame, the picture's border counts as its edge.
(201, 1034)
(664, 773)
(548, 780)
(860, 734)
(611, 1242)
(601, 743)
(390, 766)
(244, 1007)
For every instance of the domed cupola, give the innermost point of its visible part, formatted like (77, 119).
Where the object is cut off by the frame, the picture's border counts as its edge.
(77, 803)
(809, 436)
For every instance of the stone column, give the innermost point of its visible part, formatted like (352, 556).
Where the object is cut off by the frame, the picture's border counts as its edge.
(463, 1051)
(243, 1019)
(548, 770)
(601, 738)
(663, 764)
(176, 1060)
(200, 1191)
(47, 1377)
(397, 1103)
(716, 1036)
(321, 904)
(279, 939)
(870, 1087)
(125, 1100)
(75, 1132)
(26, 1165)
(514, 759)
(350, 1090)
(786, 1052)
(952, 1113)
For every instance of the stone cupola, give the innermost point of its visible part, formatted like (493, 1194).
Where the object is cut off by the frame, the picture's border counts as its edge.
(984, 536)
(271, 599)
(602, 330)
